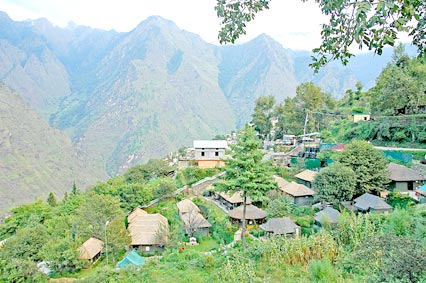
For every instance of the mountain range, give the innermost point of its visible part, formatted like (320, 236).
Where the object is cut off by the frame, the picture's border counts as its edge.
(125, 97)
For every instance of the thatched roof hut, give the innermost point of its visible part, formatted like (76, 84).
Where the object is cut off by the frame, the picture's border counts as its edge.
(91, 248)
(235, 198)
(186, 206)
(252, 213)
(149, 229)
(280, 226)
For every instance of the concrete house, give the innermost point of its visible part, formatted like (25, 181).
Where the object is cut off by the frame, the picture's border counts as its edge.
(403, 179)
(193, 220)
(149, 233)
(299, 194)
(281, 226)
(209, 153)
(306, 178)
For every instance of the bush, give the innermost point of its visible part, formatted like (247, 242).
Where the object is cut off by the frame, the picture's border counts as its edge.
(322, 271)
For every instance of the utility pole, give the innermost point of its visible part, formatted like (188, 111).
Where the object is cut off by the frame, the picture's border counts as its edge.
(306, 123)
(106, 241)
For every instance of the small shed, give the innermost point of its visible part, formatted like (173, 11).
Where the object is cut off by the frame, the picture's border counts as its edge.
(131, 259)
(328, 215)
(300, 194)
(306, 178)
(361, 117)
(91, 250)
(281, 226)
(369, 203)
(403, 178)
(254, 215)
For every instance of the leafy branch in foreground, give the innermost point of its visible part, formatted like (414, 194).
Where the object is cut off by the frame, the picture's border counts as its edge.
(368, 23)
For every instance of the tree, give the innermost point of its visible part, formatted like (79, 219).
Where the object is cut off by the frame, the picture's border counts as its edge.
(335, 183)
(153, 169)
(280, 207)
(92, 214)
(262, 115)
(74, 190)
(246, 172)
(51, 200)
(369, 165)
(367, 23)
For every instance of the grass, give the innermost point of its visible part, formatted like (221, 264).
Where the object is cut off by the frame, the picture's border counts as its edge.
(206, 244)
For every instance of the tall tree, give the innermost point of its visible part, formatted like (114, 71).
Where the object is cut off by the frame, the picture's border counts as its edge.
(335, 183)
(51, 200)
(369, 165)
(246, 172)
(262, 115)
(370, 24)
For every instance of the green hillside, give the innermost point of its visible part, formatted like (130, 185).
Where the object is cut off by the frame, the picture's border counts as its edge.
(36, 159)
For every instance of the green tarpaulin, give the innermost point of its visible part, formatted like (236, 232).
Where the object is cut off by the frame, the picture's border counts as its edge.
(132, 259)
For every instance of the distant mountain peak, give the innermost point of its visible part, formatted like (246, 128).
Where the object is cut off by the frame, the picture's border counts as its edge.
(156, 21)
(4, 16)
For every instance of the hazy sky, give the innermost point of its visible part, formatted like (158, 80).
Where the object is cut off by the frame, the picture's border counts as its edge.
(294, 24)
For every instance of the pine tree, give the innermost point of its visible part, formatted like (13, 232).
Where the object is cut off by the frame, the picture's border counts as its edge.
(246, 173)
(51, 200)
(74, 190)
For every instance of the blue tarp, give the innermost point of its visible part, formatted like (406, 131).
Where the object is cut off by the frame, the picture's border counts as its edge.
(132, 259)
(423, 188)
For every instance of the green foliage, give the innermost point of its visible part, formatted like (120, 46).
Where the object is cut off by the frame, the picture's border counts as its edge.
(399, 200)
(280, 207)
(335, 183)
(369, 165)
(322, 271)
(20, 271)
(51, 200)
(389, 258)
(262, 115)
(62, 255)
(193, 174)
(92, 214)
(368, 24)
(153, 169)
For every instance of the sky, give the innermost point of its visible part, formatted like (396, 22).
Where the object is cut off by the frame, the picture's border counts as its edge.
(294, 24)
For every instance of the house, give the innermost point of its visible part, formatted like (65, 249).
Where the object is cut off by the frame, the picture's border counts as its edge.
(299, 194)
(91, 250)
(148, 232)
(210, 153)
(369, 203)
(232, 201)
(281, 226)
(403, 179)
(193, 220)
(254, 215)
(306, 178)
(131, 259)
(361, 117)
(327, 216)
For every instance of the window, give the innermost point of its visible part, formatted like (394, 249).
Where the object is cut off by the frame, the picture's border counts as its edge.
(216, 153)
(203, 153)
(147, 249)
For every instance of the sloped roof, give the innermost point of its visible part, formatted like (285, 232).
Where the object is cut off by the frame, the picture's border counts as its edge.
(235, 198)
(210, 144)
(400, 173)
(90, 248)
(281, 181)
(330, 213)
(195, 219)
(280, 226)
(307, 175)
(149, 229)
(252, 212)
(133, 258)
(135, 213)
(297, 190)
(368, 201)
(186, 206)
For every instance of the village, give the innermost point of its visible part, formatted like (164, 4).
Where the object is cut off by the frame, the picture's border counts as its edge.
(150, 233)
